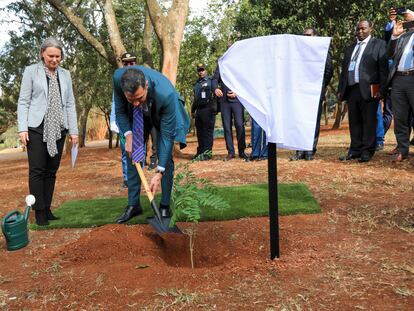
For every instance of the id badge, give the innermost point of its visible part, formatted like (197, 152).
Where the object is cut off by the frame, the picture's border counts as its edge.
(203, 95)
(352, 66)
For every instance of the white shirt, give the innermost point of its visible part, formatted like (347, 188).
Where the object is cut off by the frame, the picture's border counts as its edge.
(358, 61)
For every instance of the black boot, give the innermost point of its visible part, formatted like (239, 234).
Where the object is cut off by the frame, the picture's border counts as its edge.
(50, 216)
(165, 211)
(130, 211)
(41, 218)
(299, 155)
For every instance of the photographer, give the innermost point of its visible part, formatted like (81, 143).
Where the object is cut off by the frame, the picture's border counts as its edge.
(401, 78)
(204, 110)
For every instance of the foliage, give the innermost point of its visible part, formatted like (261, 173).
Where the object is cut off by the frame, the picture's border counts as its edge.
(205, 40)
(334, 18)
(10, 138)
(91, 74)
(191, 195)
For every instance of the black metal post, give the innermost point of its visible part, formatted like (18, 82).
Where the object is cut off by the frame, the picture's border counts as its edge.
(273, 201)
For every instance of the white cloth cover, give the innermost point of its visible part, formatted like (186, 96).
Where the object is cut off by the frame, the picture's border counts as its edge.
(278, 79)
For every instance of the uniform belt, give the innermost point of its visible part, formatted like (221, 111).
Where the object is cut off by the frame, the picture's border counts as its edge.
(405, 73)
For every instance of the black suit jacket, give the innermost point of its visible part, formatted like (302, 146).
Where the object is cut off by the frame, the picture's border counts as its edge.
(395, 50)
(216, 82)
(373, 69)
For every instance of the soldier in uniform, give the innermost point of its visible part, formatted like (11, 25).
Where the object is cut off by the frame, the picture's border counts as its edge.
(204, 110)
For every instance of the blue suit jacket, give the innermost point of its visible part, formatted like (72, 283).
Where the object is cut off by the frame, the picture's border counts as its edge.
(167, 113)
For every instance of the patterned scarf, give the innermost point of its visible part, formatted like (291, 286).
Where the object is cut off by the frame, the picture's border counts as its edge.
(53, 124)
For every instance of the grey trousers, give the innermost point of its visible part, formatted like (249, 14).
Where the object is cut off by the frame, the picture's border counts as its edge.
(402, 96)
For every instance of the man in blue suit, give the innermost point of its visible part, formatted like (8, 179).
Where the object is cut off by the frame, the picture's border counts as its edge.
(163, 108)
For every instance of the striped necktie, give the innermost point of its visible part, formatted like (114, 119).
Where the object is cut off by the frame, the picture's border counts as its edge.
(138, 153)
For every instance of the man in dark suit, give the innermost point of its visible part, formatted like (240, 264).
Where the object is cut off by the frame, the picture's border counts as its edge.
(364, 67)
(160, 106)
(327, 76)
(401, 78)
(231, 113)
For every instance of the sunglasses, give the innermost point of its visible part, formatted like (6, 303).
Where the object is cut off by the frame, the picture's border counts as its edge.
(200, 69)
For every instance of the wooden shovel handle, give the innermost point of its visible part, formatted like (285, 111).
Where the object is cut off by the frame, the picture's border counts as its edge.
(144, 182)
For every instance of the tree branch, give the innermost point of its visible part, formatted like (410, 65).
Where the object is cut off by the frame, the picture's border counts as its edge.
(78, 24)
(157, 17)
(113, 29)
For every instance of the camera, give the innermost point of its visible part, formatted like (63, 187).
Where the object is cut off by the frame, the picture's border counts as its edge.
(408, 25)
(400, 11)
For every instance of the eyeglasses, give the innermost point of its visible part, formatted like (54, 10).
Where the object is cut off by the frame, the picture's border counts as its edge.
(129, 63)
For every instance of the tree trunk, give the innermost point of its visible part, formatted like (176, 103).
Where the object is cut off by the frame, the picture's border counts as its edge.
(325, 111)
(147, 43)
(114, 35)
(83, 119)
(340, 113)
(169, 29)
(170, 61)
(110, 136)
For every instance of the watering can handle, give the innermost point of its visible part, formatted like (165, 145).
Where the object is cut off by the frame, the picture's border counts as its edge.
(3, 222)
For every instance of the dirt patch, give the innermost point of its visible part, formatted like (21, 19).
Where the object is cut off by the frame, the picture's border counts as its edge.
(356, 254)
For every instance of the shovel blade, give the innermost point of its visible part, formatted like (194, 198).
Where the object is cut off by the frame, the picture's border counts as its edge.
(163, 226)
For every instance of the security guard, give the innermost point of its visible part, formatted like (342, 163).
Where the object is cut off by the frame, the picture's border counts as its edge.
(204, 110)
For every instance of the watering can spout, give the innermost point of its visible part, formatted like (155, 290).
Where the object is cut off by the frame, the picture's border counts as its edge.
(30, 200)
(26, 214)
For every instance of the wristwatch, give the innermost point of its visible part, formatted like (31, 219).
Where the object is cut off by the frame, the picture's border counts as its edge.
(161, 172)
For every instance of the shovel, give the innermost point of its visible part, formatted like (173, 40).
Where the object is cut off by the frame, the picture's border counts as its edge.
(160, 224)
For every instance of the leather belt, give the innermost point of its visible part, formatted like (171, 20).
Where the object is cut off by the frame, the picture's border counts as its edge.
(405, 73)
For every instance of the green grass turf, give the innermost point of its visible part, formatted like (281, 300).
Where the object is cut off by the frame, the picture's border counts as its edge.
(245, 201)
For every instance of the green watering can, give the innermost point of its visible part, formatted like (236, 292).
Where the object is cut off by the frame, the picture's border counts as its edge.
(14, 227)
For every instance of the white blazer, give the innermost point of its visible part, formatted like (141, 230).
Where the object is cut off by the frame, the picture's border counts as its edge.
(32, 104)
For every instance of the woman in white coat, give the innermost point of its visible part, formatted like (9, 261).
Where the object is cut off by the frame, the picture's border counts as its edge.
(46, 113)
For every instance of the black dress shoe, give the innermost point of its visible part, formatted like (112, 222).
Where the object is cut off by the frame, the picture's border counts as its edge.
(207, 156)
(130, 212)
(299, 155)
(229, 157)
(50, 216)
(348, 157)
(364, 158)
(41, 218)
(244, 156)
(308, 155)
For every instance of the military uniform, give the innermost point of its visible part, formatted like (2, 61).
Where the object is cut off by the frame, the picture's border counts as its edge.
(204, 110)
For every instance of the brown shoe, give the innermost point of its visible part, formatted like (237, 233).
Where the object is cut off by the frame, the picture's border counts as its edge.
(399, 158)
(229, 157)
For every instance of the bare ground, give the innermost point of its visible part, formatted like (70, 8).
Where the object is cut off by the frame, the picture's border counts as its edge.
(356, 255)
